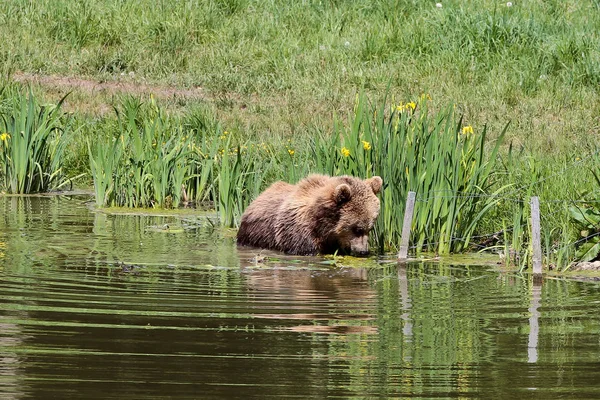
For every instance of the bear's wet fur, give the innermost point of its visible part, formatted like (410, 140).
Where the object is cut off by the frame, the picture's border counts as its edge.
(320, 214)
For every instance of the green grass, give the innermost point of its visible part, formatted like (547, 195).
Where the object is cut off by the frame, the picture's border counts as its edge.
(283, 77)
(275, 66)
(150, 158)
(414, 149)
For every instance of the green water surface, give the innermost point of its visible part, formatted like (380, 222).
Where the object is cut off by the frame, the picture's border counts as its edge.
(98, 306)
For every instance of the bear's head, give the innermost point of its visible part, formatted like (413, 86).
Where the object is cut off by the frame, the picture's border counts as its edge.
(354, 209)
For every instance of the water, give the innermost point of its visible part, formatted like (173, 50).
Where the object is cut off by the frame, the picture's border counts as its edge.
(98, 306)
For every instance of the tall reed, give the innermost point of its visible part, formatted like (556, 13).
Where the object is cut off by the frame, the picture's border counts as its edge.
(32, 142)
(151, 159)
(414, 149)
(242, 170)
(146, 163)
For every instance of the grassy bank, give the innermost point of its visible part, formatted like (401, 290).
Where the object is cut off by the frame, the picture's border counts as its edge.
(248, 92)
(275, 67)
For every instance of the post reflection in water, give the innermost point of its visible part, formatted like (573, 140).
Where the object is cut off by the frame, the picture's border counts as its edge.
(534, 328)
(406, 304)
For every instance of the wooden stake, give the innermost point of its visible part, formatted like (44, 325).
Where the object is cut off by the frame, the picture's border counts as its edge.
(536, 237)
(408, 217)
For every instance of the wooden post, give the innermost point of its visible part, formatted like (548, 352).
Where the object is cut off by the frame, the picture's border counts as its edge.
(408, 217)
(536, 237)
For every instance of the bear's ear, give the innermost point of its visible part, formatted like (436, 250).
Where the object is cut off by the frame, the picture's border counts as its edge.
(375, 182)
(342, 194)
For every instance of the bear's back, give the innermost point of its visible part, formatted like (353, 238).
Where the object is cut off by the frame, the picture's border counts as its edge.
(257, 226)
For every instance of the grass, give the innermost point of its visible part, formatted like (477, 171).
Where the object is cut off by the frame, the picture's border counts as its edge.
(152, 158)
(145, 161)
(276, 66)
(284, 77)
(149, 158)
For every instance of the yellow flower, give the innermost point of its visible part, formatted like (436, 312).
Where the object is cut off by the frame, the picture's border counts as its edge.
(410, 106)
(291, 152)
(467, 130)
(345, 152)
(4, 137)
(366, 145)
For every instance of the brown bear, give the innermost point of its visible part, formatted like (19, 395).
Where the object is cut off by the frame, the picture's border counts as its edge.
(320, 214)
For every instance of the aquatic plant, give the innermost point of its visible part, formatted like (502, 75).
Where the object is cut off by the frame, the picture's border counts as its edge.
(433, 154)
(146, 163)
(587, 218)
(151, 159)
(32, 141)
(243, 170)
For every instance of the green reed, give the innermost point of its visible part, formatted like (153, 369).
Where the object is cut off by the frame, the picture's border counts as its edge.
(151, 159)
(145, 162)
(414, 149)
(242, 170)
(32, 141)
(229, 179)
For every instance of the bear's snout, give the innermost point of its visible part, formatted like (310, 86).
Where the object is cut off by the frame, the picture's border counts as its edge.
(359, 246)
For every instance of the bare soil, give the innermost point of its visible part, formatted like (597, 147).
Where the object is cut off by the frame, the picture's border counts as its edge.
(95, 97)
(107, 87)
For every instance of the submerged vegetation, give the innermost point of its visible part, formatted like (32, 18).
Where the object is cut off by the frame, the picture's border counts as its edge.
(275, 98)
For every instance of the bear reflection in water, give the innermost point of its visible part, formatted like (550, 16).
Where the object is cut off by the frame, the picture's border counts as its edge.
(320, 214)
(336, 301)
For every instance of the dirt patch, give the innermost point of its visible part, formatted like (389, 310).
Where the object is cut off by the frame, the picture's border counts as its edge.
(108, 87)
(94, 97)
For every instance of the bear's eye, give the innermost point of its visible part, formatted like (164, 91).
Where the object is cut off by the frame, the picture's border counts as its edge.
(358, 231)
